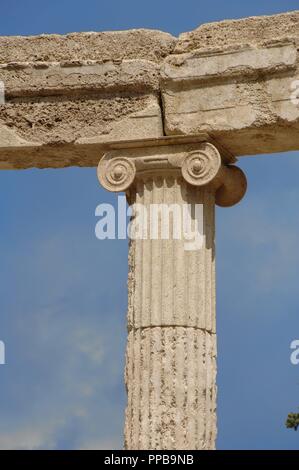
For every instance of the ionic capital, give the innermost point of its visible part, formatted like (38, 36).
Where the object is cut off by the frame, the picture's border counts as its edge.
(199, 161)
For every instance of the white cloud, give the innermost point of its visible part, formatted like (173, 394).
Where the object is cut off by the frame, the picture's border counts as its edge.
(104, 444)
(30, 437)
(66, 353)
(266, 235)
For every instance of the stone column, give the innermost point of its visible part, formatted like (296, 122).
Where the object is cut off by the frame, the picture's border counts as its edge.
(171, 352)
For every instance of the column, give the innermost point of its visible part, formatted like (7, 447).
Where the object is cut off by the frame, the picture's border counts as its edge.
(171, 351)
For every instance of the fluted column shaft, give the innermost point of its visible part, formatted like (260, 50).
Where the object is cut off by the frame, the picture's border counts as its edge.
(171, 351)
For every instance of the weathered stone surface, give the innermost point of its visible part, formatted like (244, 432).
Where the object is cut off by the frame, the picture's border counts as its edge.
(171, 381)
(66, 96)
(49, 108)
(254, 30)
(54, 78)
(235, 80)
(64, 131)
(171, 352)
(111, 45)
(61, 120)
(172, 285)
(228, 62)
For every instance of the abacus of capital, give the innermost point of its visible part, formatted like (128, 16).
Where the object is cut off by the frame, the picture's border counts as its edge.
(165, 120)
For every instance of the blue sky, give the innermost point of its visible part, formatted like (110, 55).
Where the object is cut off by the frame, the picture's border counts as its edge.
(63, 292)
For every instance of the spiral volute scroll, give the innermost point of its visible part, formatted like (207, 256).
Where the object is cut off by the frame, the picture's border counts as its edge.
(116, 174)
(201, 166)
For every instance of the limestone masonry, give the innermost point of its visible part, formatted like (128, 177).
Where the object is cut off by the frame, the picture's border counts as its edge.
(68, 96)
